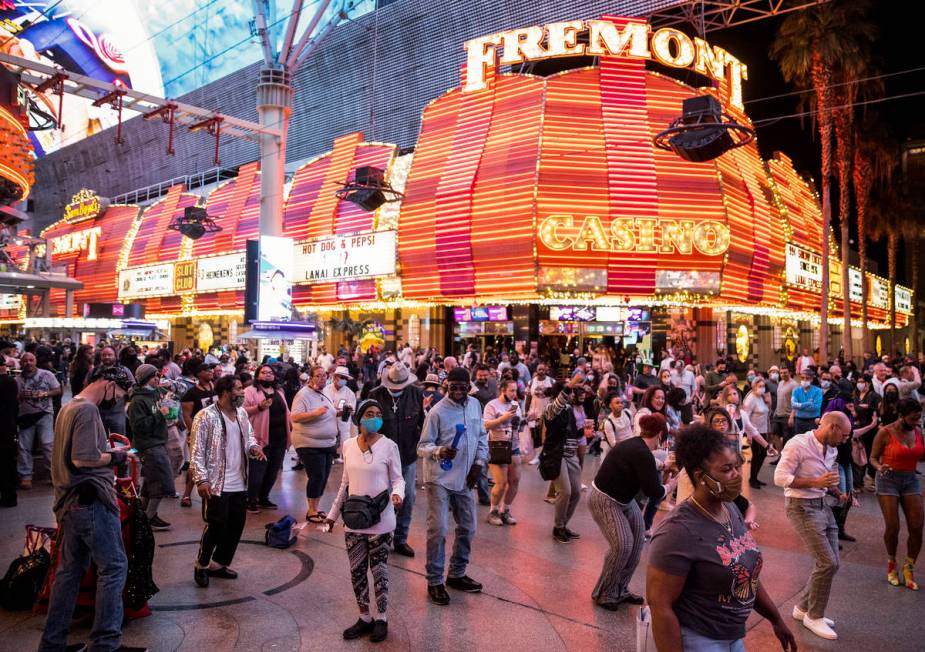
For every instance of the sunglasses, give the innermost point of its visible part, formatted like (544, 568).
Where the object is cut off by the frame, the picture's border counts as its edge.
(458, 387)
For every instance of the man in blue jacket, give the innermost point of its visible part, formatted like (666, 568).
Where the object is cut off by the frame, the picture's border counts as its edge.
(450, 488)
(806, 402)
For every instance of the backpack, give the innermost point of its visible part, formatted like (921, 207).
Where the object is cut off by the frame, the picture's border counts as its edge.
(279, 534)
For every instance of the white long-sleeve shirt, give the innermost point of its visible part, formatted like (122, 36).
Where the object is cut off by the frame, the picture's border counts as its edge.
(804, 456)
(369, 474)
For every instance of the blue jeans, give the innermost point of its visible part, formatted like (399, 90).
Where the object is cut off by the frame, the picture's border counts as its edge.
(88, 532)
(440, 501)
(45, 431)
(403, 518)
(691, 641)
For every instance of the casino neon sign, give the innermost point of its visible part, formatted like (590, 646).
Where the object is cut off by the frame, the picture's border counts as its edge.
(637, 235)
(635, 39)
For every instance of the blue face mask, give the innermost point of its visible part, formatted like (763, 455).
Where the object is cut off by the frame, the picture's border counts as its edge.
(341, 383)
(372, 425)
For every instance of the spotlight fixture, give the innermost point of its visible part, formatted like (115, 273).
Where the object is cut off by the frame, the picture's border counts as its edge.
(194, 223)
(703, 132)
(369, 189)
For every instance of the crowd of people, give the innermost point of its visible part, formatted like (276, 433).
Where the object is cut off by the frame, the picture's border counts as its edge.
(677, 436)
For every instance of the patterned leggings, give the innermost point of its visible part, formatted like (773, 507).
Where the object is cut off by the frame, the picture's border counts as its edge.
(369, 552)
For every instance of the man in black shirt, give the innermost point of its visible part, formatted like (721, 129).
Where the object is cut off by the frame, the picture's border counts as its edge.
(196, 398)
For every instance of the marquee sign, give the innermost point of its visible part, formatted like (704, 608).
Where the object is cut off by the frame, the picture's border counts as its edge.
(221, 273)
(345, 258)
(85, 205)
(804, 268)
(634, 39)
(147, 281)
(879, 292)
(903, 300)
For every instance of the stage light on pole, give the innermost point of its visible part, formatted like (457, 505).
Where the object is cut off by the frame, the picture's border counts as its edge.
(194, 223)
(703, 132)
(369, 189)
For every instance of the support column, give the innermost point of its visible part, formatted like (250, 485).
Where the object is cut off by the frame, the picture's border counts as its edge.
(68, 303)
(274, 106)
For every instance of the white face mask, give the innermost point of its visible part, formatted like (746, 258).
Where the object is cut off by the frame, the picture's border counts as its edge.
(760, 391)
(862, 387)
(805, 384)
(775, 376)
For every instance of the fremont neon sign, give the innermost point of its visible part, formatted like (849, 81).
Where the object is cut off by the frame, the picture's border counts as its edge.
(668, 46)
(638, 235)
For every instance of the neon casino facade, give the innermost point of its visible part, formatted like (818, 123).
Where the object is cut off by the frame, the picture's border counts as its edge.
(535, 209)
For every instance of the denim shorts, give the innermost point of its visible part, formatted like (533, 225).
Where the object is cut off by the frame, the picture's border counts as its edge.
(898, 483)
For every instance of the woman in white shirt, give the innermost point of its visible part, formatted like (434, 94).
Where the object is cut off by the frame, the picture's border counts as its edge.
(503, 421)
(372, 465)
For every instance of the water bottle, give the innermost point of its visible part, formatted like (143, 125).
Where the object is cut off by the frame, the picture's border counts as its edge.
(446, 465)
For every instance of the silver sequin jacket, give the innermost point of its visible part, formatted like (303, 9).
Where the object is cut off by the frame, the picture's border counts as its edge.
(207, 463)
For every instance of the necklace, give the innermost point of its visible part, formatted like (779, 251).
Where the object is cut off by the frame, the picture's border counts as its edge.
(726, 523)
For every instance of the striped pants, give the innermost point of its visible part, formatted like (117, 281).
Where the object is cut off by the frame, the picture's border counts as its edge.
(622, 526)
(369, 552)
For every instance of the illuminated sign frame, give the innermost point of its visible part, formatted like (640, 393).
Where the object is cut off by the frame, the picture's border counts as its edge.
(668, 46)
(84, 205)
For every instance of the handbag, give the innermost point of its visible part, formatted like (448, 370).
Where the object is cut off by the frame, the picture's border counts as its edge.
(363, 512)
(550, 463)
(645, 639)
(500, 451)
(26, 574)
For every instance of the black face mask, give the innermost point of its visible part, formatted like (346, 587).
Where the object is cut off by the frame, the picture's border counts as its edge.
(481, 383)
(107, 404)
(906, 426)
(266, 383)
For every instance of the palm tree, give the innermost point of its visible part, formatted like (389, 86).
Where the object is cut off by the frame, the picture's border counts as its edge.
(810, 46)
(888, 210)
(875, 157)
(349, 326)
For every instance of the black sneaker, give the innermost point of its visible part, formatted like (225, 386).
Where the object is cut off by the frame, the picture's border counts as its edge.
(158, 524)
(298, 467)
(571, 534)
(403, 549)
(223, 573)
(380, 631)
(559, 534)
(201, 575)
(252, 507)
(438, 595)
(76, 647)
(464, 583)
(358, 629)
(267, 504)
(844, 536)
(754, 484)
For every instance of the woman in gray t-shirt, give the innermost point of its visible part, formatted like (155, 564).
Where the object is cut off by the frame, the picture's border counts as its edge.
(704, 566)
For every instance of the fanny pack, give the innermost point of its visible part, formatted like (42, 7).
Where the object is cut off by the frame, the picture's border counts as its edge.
(363, 512)
(500, 451)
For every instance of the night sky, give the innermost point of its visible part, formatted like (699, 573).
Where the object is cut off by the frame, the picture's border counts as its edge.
(898, 48)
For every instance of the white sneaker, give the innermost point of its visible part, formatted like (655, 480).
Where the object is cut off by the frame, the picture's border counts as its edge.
(584, 487)
(534, 461)
(799, 614)
(819, 628)
(338, 460)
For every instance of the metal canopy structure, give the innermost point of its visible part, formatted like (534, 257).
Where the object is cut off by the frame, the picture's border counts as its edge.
(38, 74)
(711, 15)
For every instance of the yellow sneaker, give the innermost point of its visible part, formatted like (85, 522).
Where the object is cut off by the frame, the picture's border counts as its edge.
(908, 578)
(891, 575)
